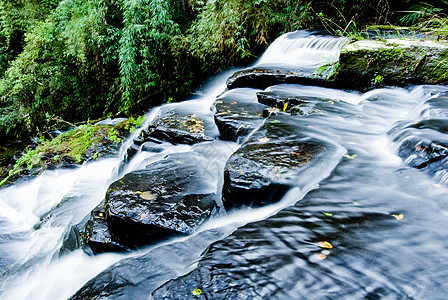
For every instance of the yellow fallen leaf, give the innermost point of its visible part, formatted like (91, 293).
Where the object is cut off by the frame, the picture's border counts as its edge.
(138, 192)
(328, 214)
(234, 102)
(196, 292)
(142, 216)
(331, 102)
(351, 156)
(322, 256)
(398, 217)
(285, 106)
(325, 245)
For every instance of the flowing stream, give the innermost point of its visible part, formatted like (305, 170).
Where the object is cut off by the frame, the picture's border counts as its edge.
(385, 220)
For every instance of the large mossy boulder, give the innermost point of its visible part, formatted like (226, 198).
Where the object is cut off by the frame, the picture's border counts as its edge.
(170, 197)
(369, 64)
(237, 114)
(272, 161)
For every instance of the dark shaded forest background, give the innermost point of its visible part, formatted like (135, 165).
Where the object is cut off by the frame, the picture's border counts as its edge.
(77, 60)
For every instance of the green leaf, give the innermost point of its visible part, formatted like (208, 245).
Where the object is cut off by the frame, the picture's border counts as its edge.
(196, 292)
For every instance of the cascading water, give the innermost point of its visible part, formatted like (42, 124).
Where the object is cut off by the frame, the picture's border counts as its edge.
(384, 220)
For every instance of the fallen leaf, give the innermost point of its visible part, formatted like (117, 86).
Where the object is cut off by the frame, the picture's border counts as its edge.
(234, 102)
(196, 292)
(148, 195)
(142, 216)
(328, 214)
(331, 102)
(322, 256)
(285, 106)
(351, 156)
(398, 217)
(325, 245)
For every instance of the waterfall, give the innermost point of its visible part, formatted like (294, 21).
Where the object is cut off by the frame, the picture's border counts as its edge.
(383, 219)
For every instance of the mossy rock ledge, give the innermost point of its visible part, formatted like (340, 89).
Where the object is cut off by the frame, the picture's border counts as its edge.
(368, 64)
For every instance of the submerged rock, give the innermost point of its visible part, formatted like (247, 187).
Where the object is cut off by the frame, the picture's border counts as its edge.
(295, 105)
(271, 162)
(237, 114)
(431, 157)
(368, 64)
(268, 259)
(168, 198)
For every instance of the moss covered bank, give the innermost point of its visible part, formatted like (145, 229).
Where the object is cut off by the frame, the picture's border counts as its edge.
(368, 64)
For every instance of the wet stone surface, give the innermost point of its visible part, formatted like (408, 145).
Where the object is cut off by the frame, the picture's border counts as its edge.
(237, 114)
(168, 198)
(177, 129)
(267, 165)
(263, 77)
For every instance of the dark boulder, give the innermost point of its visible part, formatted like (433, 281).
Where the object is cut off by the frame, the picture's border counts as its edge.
(264, 76)
(97, 235)
(237, 114)
(168, 198)
(270, 162)
(296, 105)
(428, 156)
(177, 129)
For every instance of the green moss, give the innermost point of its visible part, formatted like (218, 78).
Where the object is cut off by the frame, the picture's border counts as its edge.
(74, 143)
(392, 64)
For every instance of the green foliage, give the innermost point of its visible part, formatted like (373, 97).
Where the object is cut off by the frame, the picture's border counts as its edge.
(145, 49)
(114, 136)
(228, 32)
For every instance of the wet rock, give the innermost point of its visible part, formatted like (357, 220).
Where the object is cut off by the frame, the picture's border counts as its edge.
(296, 105)
(181, 125)
(369, 64)
(270, 162)
(428, 156)
(131, 152)
(266, 259)
(151, 147)
(265, 76)
(237, 114)
(170, 197)
(137, 277)
(97, 235)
